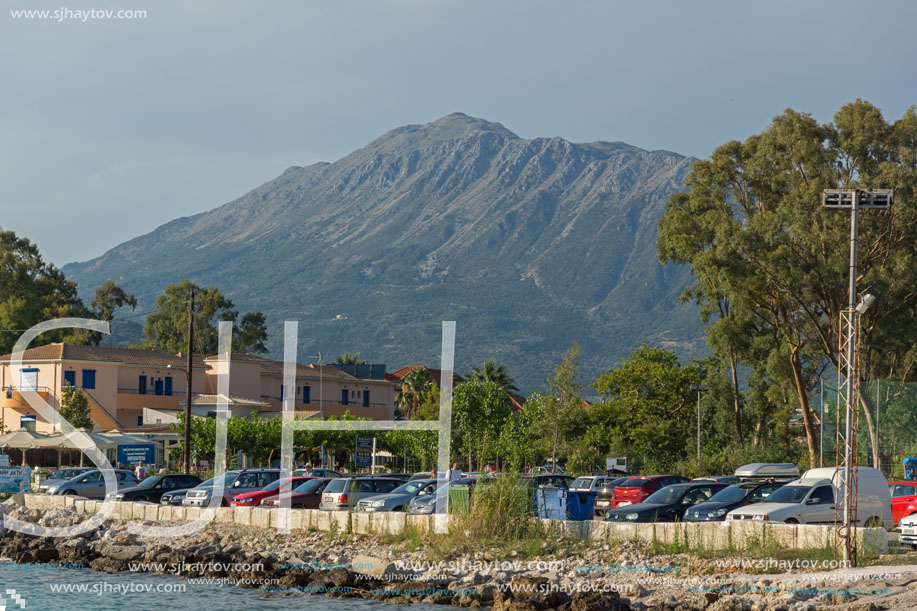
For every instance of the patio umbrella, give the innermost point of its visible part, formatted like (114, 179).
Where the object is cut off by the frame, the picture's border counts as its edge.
(21, 439)
(60, 441)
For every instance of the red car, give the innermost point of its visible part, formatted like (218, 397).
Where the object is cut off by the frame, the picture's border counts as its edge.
(251, 499)
(306, 496)
(635, 489)
(904, 499)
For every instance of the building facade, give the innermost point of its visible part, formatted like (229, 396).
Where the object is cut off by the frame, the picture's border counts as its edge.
(124, 384)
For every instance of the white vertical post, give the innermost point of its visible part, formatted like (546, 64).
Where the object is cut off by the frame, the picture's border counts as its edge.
(373, 467)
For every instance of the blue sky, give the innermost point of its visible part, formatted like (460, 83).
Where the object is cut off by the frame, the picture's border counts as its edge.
(110, 128)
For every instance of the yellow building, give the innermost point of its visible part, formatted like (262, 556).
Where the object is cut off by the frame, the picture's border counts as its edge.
(124, 384)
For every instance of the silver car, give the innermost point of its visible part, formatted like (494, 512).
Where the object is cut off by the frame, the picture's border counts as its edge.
(63, 475)
(345, 492)
(91, 485)
(396, 500)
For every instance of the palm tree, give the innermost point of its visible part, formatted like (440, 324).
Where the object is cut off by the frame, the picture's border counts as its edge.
(412, 390)
(492, 372)
(349, 359)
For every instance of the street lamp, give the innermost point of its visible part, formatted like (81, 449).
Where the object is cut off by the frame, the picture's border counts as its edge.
(699, 388)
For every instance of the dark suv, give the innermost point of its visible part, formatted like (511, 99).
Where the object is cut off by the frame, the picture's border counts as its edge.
(344, 492)
(152, 488)
(234, 482)
(604, 493)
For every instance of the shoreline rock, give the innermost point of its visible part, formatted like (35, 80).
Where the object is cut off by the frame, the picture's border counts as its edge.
(364, 567)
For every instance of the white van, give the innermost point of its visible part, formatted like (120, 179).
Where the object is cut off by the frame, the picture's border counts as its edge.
(811, 500)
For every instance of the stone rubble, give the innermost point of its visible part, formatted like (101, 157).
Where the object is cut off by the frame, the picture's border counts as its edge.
(111, 549)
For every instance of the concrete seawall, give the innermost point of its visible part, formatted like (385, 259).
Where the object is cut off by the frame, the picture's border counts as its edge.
(711, 536)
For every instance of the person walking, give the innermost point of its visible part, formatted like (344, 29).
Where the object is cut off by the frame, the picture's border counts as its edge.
(140, 471)
(454, 473)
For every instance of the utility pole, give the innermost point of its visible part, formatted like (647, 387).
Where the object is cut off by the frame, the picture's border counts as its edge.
(849, 363)
(699, 388)
(188, 385)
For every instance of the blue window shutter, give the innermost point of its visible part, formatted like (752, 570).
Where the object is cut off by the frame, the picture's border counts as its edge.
(157, 389)
(169, 386)
(70, 378)
(141, 385)
(305, 394)
(365, 398)
(89, 378)
(344, 397)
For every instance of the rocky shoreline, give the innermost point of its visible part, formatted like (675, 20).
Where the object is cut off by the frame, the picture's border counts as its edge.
(314, 563)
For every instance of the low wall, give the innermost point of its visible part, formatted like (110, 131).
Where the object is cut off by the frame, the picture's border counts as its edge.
(731, 535)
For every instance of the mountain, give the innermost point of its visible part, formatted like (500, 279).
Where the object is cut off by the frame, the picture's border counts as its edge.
(527, 244)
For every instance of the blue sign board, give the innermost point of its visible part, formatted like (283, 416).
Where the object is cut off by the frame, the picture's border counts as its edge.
(133, 454)
(15, 479)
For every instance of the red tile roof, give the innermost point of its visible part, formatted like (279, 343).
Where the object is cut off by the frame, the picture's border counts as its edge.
(437, 374)
(106, 354)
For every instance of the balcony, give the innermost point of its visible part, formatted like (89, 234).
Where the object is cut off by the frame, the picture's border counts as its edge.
(12, 396)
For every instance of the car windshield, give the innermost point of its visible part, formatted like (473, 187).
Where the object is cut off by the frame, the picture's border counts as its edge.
(789, 494)
(308, 486)
(730, 494)
(409, 488)
(67, 473)
(226, 480)
(150, 482)
(274, 485)
(670, 494)
(634, 483)
(209, 482)
(581, 482)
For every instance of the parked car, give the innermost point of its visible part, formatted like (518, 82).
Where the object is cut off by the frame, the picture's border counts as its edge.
(396, 500)
(904, 499)
(251, 499)
(234, 483)
(175, 497)
(907, 530)
(306, 496)
(425, 501)
(345, 492)
(729, 498)
(91, 484)
(421, 475)
(636, 489)
(668, 504)
(719, 479)
(604, 493)
(588, 483)
(811, 500)
(317, 473)
(63, 475)
(152, 488)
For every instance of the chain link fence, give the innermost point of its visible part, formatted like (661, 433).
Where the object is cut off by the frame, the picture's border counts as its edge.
(887, 424)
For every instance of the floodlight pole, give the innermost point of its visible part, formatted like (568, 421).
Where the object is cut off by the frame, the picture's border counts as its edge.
(849, 359)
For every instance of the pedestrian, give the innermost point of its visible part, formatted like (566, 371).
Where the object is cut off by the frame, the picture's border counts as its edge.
(433, 473)
(454, 472)
(308, 469)
(140, 471)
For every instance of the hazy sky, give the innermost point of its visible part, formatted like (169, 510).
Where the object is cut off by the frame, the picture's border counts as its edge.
(110, 128)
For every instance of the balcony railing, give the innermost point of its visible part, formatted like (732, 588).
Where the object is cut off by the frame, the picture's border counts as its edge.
(9, 390)
(315, 403)
(136, 391)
